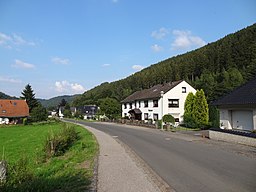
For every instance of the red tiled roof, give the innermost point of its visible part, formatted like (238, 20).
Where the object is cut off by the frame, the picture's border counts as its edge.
(13, 108)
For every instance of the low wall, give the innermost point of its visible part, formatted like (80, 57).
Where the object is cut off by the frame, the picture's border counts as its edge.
(215, 135)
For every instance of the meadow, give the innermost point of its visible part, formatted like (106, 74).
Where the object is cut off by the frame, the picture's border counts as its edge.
(23, 149)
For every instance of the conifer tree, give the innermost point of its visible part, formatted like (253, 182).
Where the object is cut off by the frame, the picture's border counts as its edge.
(29, 96)
(200, 109)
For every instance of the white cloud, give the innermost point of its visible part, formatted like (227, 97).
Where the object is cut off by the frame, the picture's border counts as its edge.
(23, 65)
(160, 34)
(66, 87)
(106, 65)
(137, 67)
(10, 41)
(9, 80)
(185, 40)
(58, 60)
(156, 48)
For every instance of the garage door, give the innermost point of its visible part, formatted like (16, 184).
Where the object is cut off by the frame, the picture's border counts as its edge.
(242, 120)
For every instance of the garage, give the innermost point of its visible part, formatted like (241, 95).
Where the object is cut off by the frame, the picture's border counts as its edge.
(242, 119)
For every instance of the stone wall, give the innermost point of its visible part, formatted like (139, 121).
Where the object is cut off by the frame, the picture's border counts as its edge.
(215, 135)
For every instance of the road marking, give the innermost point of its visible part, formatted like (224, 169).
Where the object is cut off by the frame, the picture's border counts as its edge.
(167, 139)
(114, 136)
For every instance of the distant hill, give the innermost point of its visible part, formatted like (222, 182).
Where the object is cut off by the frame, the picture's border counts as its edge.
(53, 102)
(4, 96)
(217, 68)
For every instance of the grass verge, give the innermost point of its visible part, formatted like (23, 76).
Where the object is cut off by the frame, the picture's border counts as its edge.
(23, 148)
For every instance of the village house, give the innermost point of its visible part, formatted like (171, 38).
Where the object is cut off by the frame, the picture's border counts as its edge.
(13, 111)
(88, 111)
(153, 103)
(238, 108)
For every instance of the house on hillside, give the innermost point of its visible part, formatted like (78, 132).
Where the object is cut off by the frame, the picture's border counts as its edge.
(238, 108)
(13, 111)
(161, 99)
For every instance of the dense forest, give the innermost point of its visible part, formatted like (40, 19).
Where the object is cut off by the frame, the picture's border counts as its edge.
(217, 68)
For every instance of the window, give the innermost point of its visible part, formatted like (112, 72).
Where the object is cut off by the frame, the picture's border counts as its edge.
(130, 105)
(155, 103)
(177, 120)
(3, 111)
(139, 104)
(155, 116)
(173, 103)
(125, 106)
(184, 90)
(145, 103)
(145, 116)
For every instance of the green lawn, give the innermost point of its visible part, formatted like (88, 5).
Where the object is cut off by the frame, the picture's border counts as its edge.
(69, 172)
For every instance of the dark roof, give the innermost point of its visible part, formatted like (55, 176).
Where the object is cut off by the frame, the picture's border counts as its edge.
(13, 108)
(153, 92)
(245, 94)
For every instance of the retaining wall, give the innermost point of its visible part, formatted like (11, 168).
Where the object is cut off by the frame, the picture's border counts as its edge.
(215, 135)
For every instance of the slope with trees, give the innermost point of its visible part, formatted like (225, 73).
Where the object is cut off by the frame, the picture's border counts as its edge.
(217, 68)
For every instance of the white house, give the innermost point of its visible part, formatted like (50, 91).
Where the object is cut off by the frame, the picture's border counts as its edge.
(238, 108)
(153, 103)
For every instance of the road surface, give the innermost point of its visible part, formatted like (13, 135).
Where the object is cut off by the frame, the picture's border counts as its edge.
(184, 163)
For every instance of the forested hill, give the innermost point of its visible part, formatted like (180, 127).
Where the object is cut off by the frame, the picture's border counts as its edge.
(217, 68)
(55, 101)
(4, 96)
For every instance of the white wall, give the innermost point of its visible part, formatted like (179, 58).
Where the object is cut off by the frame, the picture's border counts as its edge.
(176, 93)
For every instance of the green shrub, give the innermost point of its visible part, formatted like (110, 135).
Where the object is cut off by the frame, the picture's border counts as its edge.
(57, 143)
(168, 119)
(25, 121)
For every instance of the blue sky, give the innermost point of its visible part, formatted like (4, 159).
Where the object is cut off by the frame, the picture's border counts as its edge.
(66, 47)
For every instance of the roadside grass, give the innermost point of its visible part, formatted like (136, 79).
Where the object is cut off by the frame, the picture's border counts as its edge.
(71, 171)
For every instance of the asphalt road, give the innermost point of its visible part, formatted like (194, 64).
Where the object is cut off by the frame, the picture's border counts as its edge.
(187, 165)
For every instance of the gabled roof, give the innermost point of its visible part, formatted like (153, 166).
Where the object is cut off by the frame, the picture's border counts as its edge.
(245, 94)
(13, 108)
(151, 93)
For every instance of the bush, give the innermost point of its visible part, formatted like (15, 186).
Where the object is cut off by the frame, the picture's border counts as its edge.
(25, 121)
(18, 175)
(57, 143)
(168, 119)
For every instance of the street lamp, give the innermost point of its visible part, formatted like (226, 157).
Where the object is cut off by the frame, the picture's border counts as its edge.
(162, 106)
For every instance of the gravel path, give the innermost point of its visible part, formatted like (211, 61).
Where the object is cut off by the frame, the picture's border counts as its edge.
(121, 170)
